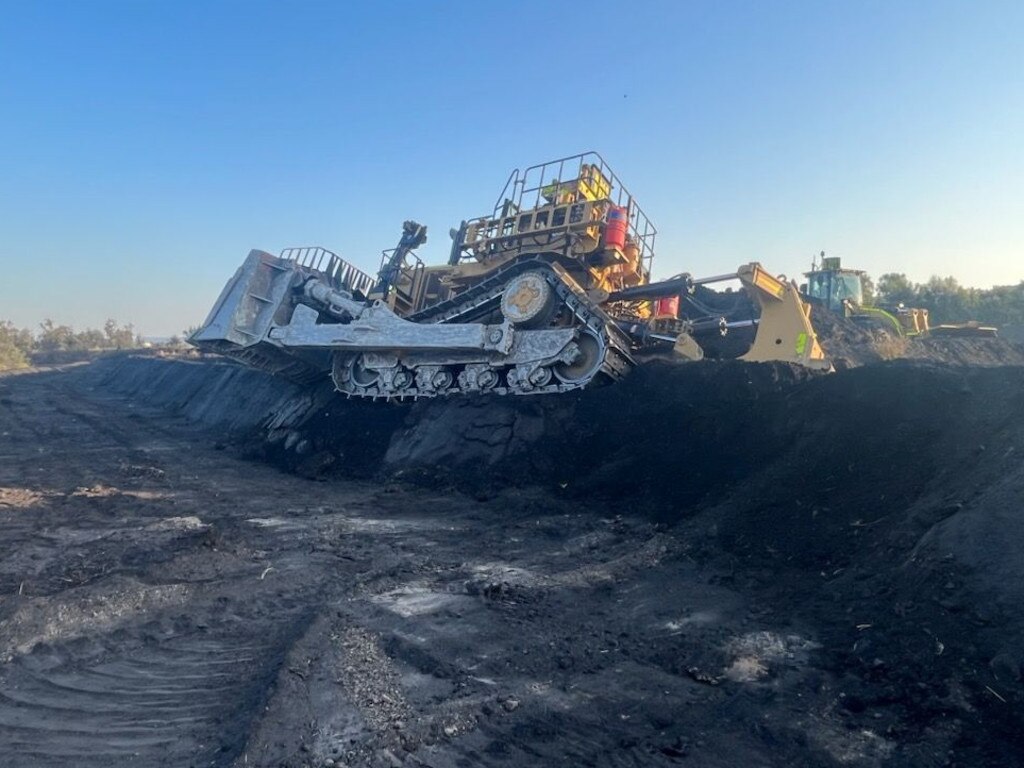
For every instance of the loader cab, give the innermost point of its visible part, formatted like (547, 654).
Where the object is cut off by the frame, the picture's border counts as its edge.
(833, 286)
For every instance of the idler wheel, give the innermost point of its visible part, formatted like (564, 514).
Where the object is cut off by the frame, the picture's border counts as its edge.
(589, 356)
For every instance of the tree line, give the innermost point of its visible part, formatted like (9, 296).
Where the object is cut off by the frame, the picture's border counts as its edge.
(949, 302)
(18, 345)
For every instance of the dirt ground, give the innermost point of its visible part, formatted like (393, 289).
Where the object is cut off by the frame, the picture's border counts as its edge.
(166, 602)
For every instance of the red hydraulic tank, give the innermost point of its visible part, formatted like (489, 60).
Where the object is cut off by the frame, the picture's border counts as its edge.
(616, 226)
(666, 308)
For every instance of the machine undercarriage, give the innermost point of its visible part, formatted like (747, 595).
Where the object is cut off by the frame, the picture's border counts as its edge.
(549, 293)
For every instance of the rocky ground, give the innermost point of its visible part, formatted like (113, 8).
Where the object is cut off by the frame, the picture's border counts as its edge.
(713, 565)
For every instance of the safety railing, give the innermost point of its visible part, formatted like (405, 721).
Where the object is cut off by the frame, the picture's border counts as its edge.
(583, 176)
(342, 274)
(406, 281)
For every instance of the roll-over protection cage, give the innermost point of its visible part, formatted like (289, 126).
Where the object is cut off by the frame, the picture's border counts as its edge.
(586, 174)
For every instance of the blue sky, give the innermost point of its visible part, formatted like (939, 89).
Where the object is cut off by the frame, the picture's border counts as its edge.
(145, 147)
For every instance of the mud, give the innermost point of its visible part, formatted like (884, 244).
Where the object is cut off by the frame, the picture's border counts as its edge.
(711, 565)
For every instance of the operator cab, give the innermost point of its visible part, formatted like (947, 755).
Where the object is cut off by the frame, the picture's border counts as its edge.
(833, 286)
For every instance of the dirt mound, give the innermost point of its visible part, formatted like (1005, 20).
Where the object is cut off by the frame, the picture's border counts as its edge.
(881, 503)
(966, 350)
(891, 516)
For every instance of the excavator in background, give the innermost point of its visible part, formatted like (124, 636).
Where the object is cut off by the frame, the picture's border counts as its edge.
(547, 293)
(841, 290)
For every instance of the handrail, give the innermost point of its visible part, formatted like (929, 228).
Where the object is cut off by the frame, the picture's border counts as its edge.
(342, 273)
(534, 181)
(501, 197)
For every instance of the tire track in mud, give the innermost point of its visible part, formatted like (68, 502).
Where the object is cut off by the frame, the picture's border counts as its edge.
(125, 678)
(182, 700)
(97, 671)
(49, 425)
(10, 412)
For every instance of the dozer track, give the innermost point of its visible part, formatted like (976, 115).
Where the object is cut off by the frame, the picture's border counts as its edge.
(598, 349)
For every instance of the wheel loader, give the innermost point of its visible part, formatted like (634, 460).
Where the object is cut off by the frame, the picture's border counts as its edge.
(547, 293)
(841, 290)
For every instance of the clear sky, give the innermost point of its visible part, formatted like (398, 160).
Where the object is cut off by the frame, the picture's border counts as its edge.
(145, 147)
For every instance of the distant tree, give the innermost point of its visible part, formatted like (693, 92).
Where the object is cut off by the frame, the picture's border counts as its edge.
(867, 286)
(1002, 305)
(58, 338)
(13, 353)
(55, 338)
(121, 336)
(946, 299)
(894, 288)
(90, 338)
(21, 337)
(949, 302)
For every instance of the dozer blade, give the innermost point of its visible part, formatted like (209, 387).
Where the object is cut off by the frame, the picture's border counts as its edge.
(968, 330)
(249, 305)
(286, 318)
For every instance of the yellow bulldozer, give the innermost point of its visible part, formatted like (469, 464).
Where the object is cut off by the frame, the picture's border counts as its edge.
(548, 292)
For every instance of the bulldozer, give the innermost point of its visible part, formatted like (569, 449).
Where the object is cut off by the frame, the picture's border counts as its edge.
(547, 293)
(841, 290)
